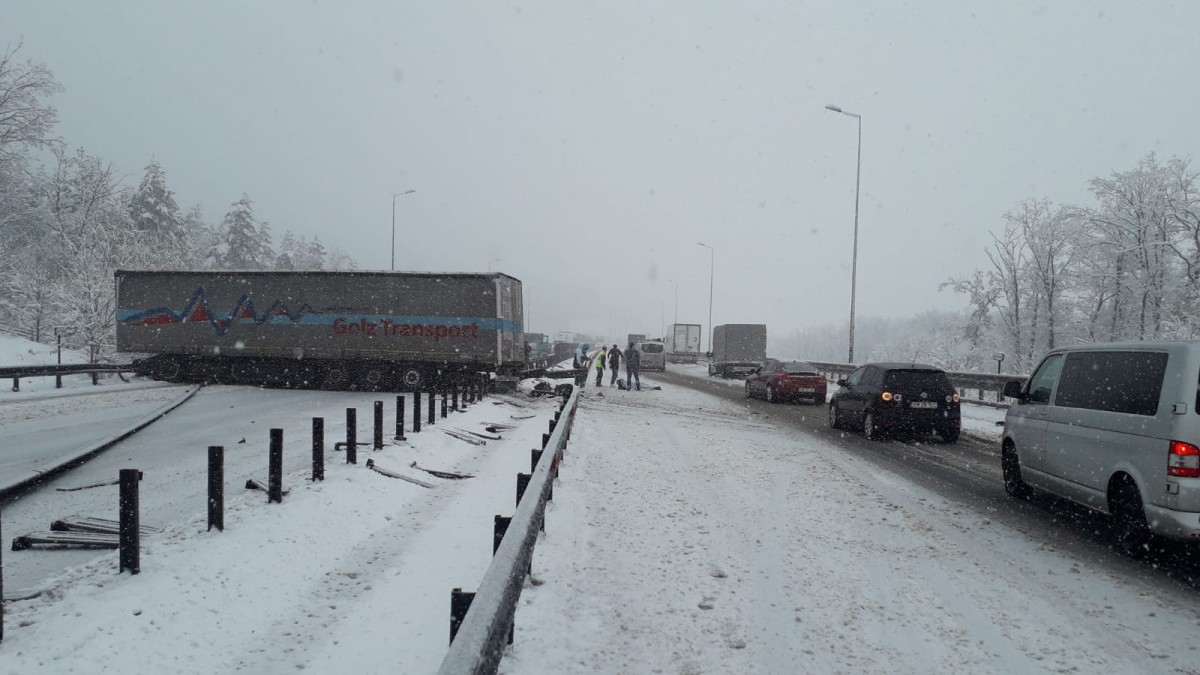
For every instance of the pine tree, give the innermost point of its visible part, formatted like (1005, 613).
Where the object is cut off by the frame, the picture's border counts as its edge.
(244, 243)
(154, 210)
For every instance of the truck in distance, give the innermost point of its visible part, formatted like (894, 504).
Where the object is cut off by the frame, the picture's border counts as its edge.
(320, 329)
(738, 349)
(683, 342)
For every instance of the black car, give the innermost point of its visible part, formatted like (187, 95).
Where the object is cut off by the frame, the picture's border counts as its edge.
(882, 398)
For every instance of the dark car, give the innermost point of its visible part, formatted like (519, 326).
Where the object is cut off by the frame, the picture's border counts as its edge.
(777, 380)
(882, 398)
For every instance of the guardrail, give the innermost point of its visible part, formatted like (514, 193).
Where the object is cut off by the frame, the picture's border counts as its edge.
(479, 642)
(962, 381)
(58, 370)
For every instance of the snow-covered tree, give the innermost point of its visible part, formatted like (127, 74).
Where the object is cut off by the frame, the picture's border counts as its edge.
(26, 119)
(244, 242)
(154, 210)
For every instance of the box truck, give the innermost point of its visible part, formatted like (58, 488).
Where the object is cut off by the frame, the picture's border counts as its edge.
(320, 329)
(738, 349)
(683, 342)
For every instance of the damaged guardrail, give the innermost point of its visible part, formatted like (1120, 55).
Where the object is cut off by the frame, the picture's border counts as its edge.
(479, 636)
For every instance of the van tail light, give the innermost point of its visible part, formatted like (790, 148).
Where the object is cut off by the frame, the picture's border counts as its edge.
(1184, 460)
(889, 396)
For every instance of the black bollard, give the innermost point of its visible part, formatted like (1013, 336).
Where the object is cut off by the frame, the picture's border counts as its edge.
(351, 436)
(432, 398)
(551, 426)
(378, 445)
(318, 448)
(275, 468)
(454, 397)
(216, 487)
(460, 602)
(400, 419)
(535, 456)
(545, 440)
(416, 412)
(445, 402)
(499, 528)
(522, 483)
(130, 527)
(2, 581)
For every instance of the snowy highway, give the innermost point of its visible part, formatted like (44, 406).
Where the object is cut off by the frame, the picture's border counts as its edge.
(703, 533)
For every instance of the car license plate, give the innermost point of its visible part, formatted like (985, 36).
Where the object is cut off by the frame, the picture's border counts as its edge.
(923, 404)
(806, 390)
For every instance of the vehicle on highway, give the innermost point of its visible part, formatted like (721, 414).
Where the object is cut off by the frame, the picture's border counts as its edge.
(738, 349)
(334, 329)
(1114, 427)
(883, 398)
(654, 355)
(777, 380)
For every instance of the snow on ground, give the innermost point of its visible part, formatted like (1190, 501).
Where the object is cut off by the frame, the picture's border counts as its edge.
(15, 351)
(688, 536)
(685, 536)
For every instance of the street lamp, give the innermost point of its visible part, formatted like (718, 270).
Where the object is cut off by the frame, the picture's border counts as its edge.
(676, 300)
(710, 292)
(854, 256)
(394, 195)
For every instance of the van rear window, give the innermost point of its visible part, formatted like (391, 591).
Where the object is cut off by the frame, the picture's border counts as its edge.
(650, 348)
(1124, 382)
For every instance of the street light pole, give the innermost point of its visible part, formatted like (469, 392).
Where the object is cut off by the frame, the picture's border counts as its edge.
(711, 254)
(676, 300)
(394, 195)
(854, 256)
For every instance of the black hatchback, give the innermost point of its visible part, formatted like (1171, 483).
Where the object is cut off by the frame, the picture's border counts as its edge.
(881, 398)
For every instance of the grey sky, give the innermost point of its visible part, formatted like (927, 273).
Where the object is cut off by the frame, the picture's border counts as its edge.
(591, 145)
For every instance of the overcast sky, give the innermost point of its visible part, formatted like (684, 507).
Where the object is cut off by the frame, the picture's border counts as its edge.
(589, 146)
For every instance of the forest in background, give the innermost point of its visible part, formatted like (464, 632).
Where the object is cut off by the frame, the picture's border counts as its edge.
(67, 222)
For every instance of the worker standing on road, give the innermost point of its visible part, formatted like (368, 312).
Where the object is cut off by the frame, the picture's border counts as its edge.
(580, 356)
(600, 358)
(614, 362)
(633, 367)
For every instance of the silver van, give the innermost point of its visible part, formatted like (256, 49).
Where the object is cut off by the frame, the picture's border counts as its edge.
(1115, 427)
(654, 357)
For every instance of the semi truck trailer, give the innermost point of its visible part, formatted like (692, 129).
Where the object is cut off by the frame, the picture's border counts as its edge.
(683, 342)
(320, 329)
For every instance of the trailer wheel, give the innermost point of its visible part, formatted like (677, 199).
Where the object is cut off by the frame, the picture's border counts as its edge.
(335, 378)
(412, 378)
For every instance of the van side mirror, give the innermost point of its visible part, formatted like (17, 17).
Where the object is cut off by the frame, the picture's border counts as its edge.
(842, 382)
(1015, 389)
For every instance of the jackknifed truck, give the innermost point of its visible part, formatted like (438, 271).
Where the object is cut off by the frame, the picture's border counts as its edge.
(390, 331)
(738, 349)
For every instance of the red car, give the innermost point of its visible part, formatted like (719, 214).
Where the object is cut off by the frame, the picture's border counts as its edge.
(786, 380)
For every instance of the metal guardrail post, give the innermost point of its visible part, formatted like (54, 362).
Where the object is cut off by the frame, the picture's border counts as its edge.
(216, 487)
(351, 436)
(130, 527)
(275, 468)
(377, 443)
(432, 400)
(16, 384)
(400, 419)
(416, 412)
(445, 402)
(454, 397)
(318, 448)
(460, 602)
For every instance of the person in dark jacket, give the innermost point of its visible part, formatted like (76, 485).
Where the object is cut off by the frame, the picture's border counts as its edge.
(614, 362)
(633, 367)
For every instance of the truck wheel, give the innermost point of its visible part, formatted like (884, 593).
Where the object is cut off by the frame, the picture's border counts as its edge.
(167, 369)
(335, 378)
(411, 379)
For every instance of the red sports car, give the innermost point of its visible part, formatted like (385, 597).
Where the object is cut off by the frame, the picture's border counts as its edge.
(786, 380)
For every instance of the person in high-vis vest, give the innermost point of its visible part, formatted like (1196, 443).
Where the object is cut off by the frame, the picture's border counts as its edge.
(600, 359)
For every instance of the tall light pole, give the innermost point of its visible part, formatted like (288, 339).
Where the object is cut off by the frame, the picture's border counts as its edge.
(394, 195)
(676, 300)
(710, 289)
(854, 256)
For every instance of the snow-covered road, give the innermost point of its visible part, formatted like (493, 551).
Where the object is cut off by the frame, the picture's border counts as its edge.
(691, 536)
